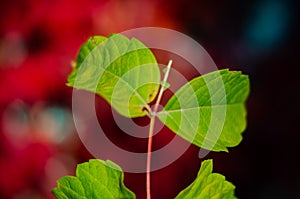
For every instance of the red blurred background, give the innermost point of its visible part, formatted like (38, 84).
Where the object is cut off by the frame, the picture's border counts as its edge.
(39, 40)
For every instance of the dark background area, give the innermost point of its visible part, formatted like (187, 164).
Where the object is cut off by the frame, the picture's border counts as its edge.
(39, 40)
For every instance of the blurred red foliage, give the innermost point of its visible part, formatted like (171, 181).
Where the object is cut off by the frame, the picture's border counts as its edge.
(38, 41)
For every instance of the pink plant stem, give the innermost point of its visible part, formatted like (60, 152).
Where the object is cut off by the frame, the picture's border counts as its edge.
(151, 130)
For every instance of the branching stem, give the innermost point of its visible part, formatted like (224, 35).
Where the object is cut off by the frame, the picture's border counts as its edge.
(151, 129)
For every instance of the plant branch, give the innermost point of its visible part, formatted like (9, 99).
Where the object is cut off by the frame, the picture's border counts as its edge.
(162, 87)
(151, 129)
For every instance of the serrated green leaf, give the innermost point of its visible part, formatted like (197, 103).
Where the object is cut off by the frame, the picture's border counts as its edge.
(122, 71)
(95, 179)
(208, 185)
(209, 110)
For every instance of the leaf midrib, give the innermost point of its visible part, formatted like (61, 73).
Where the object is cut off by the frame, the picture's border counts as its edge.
(97, 180)
(129, 86)
(198, 107)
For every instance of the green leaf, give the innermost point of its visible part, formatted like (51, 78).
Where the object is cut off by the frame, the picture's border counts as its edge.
(95, 179)
(209, 110)
(122, 71)
(208, 185)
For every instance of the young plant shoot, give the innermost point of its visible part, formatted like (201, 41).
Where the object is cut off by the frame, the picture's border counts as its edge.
(208, 111)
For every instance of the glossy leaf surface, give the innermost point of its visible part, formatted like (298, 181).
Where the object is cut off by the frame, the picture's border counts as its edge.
(208, 185)
(209, 110)
(122, 71)
(95, 179)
